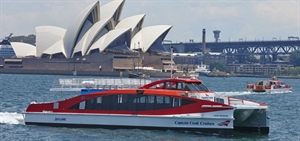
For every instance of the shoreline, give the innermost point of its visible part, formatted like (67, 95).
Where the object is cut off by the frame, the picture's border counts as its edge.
(122, 73)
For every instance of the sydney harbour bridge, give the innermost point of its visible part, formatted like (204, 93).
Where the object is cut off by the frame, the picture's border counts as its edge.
(242, 49)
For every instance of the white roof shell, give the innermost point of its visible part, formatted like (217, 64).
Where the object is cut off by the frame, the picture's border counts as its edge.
(76, 25)
(55, 48)
(108, 38)
(132, 22)
(87, 40)
(46, 36)
(111, 9)
(86, 28)
(23, 49)
(147, 36)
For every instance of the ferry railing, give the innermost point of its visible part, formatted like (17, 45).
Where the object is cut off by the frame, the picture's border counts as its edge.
(77, 84)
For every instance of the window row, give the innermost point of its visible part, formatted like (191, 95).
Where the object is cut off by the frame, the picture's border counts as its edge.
(131, 102)
(181, 86)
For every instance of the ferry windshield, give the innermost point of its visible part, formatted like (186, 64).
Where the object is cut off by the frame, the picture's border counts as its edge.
(197, 87)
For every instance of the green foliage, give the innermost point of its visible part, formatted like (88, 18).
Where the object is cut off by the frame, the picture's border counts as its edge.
(295, 58)
(30, 39)
(291, 72)
(252, 59)
(218, 65)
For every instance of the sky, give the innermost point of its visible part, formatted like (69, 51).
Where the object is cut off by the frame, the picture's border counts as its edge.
(247, 20)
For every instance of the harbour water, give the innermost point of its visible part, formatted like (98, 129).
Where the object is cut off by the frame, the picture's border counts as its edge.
(18, 90)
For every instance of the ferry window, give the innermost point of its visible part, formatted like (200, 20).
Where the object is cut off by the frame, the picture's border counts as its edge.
(124, 98)
(159, 99)
(176, 102)
(192, 87)
(185, 87)
(167, 99)
(113, 102)
(149, 105)
(106, 102)
(132, 102)
(91, 100)
(150, 99)
(180, 86)
(158, 86)
(89, 104)
(82, 105)
(142, 99)
(220, 100)
(202, 87)
(119, 98)
(55, 105)
(168, 85)
(99, 99)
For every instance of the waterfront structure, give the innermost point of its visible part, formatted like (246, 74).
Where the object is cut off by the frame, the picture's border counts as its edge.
(96, 29)
(215, 57)
(5, 48)
(268, 50)
(97, 42)
(258, 69)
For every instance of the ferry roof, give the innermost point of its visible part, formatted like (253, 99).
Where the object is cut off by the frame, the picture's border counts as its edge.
(170, 80)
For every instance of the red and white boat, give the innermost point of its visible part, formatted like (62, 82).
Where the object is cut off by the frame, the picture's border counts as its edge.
(175, 104)
(269, 86)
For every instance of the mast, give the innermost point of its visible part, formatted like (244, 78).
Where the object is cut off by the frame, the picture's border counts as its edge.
(171, 49)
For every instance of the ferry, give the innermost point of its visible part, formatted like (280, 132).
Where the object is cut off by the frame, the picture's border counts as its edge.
(272, 85)
(6, 50)
(167, 104)
(202, 70)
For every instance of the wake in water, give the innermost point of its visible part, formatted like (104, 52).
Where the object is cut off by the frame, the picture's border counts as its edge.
(248, 93)
(11, 118)
(233, 93)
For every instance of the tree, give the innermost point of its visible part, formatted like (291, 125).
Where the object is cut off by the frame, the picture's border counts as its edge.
(252, 59)
(295, 58)
(292, 72)
(218, 65)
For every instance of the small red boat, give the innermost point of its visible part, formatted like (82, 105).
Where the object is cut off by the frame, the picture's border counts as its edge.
(269, 86)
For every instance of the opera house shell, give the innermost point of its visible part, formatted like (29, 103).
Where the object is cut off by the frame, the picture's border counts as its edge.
(97, 39)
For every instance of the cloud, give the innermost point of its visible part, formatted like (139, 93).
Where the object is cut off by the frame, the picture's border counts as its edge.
(20, 17)
(285, 12)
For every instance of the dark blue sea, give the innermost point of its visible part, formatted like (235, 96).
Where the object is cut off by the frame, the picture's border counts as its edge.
(18, 90)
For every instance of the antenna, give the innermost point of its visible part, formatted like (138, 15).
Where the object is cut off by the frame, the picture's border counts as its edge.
(8, 37)
(171, 50)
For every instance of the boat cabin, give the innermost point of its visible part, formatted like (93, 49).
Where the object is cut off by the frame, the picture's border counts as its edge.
(193, 88)
(178, 84)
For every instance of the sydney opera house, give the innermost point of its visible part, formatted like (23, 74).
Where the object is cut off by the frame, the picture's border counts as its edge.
(96, 42)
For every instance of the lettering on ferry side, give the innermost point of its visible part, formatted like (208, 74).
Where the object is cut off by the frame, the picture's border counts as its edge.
(194, 123)
(181, 122)
(220, 115)
(207, 123)
(60, 119)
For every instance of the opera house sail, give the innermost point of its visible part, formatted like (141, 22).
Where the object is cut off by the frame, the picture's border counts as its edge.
(96, 42)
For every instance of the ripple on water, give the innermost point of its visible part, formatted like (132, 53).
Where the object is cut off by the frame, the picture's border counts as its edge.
(19, 90)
